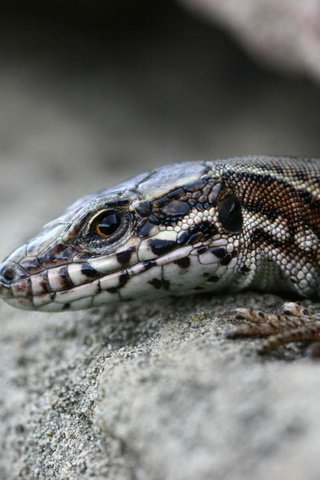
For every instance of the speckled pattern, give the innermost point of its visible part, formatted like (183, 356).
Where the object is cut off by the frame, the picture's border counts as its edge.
(180, 229)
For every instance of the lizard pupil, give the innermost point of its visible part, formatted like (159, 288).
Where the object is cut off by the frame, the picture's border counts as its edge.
(107, 224)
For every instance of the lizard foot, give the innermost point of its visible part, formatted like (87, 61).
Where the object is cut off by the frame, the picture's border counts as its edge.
(293, 323)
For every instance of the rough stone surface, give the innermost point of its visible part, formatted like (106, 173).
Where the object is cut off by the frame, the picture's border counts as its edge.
(186, 404)
(142, 391)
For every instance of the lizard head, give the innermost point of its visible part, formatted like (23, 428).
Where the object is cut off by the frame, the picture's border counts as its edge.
(172, 231)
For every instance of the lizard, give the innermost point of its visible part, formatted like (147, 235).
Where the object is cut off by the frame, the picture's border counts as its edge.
(204, 226)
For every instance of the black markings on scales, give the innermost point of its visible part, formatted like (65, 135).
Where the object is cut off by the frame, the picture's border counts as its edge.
(89, 271)
(204, 231)
(149, 264)
(123, 279)
(124, 256)
(144, 208)
(176, 209)
(158, 283)
(144, 229)
(219, 252)
(64, 278)
(160, 247)
(183, 262)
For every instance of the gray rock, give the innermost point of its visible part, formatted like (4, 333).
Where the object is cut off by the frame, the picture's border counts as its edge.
(186, 404)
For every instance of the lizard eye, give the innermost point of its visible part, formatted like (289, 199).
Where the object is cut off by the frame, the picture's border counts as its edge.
(106, 224)
(230, 215)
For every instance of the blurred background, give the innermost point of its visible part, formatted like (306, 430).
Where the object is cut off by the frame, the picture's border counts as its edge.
(93, 92)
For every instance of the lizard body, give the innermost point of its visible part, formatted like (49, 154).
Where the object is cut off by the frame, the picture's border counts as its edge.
(225, 225)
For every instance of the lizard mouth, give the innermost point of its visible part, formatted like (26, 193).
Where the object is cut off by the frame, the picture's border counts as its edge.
(80, 285)
(97, 281)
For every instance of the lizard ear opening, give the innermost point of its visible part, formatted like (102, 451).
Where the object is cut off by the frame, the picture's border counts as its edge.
(230, 214)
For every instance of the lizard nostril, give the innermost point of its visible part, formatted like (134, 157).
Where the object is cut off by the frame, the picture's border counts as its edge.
(8, 273)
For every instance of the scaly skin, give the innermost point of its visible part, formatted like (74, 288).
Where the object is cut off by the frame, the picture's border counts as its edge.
(185, 228)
